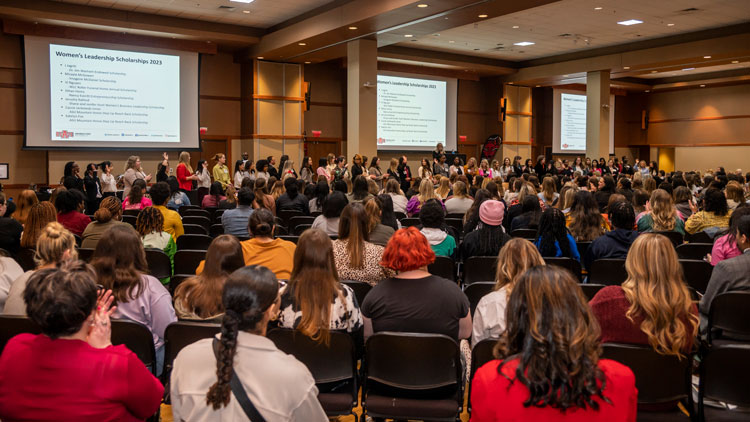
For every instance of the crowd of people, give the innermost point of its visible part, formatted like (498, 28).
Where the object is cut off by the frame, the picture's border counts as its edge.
(548, 333)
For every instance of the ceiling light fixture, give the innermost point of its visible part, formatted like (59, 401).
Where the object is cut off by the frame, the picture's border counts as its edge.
(670, 24)
(598, 8)
(260, 57)
(516, 26)
(451, 42)
(352, 28)
(307, 62)
(630, 22)
(408, 35)
(422, 5)
(565, 76)
(654, 71)
(242, 1)
(706, 57)
(482, 16)
(626, 67)
(245, 11)
(703, 85)
(735, 61)
(523, 43)
(648, 90)
(301, 43)
(688, 68)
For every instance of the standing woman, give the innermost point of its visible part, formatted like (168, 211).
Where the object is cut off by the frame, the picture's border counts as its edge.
(306, 170)
(356, 168)
(162, 169)
(204, 180)
(221, 171)
(73, 170)
(93, 189)
(184, 172)
(506, 170)
(456, 167)
(393, 172)
(239, 173)
(107, 180)
(484, 169)
(425, 170)
(375, 173)
(437, 152)
(287, 170)
(404, 173)
(322, 170)
(578, 166)
(133, 172)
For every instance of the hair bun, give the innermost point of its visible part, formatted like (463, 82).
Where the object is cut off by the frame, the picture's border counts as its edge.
(54, 230)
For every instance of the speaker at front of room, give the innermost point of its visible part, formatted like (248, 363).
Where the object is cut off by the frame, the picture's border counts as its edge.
(644, 119)
(502, 104)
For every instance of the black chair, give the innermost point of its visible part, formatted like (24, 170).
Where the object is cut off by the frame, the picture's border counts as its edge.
(332, 365)
(457, 224)
(675, 237)
(412, 376)
(130, 219)
(729, 317)
(697, 273)
(292, 239)
(25, 258)
(481, 353)
(590, 290)
(299, 220)
(281, 230)
(286, 215)
(457, 215)
(399, 215)
(133, 213)
(476, 291)
(211, 213)
(315, 213)
(694, 250)
(410, 222)
(187, 260)
(443, 267)
(159, 264)
(360, 289)
(136, 337)
(204, 222)
(183, 333)
(193, 212)
(194, 229)
(700, 237)
(724, 375)
(524, 233)
(217, 215)
(582, 248)
(479, 268)
(79, 240)
(216, 230)
(609, 271)
(301, 228)
(660, 379)
(194, 241)
(85, 254)
(13, 325)
(569, 264)
(192, 197)
(176, 280)
(184, 208)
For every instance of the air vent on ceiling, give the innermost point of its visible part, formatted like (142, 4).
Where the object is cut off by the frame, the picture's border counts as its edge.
(227, 8)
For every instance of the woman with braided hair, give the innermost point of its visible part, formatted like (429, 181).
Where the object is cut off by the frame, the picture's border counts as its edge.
(278, 385)
(150, 226)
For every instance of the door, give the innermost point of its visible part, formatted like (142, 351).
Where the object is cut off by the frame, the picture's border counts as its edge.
(317, 149)
(209, 148)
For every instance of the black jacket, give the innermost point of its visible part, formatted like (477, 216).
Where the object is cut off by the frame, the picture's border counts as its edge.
(298, 203)
(614, 244)
(471, 247)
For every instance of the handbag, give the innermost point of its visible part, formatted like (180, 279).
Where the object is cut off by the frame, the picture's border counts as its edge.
(239, 392)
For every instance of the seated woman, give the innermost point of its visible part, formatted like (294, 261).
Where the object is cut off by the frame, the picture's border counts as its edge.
(150, 226)
(321, 192)
(72, 371)
(714, 217)
(69, 205)
(414, 300)
(553, 239)
(108, 215)
(177, 197)
(584, 221)
(263, 199)
(315, 301)
(40, 215)
(277, 384)
(199, 297)
(549, 192)
(514, 259)
(214, 197)
(653, 306)
(356, 257)
(328, 221)
(432, 218)
(136, 198)
(531, 212)
(426, 191)
(291, 199)
(490, 237)
(387, 215)
(471, 218)
(661, 215)
(379, 232)
(682, 197)
(55, 245)
(360, 190)
(460, 202)
(393, 189)
(724, 247)
(120, 264)
(548, 366)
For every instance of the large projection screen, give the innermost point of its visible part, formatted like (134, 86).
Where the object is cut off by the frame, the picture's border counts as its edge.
(569, 122)
(416, 112)
(89, 95)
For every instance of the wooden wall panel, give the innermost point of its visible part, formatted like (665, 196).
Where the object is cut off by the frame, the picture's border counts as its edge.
(221, 117)
(270, 78)
(220, 76)
(267, 147)
(292, 118)
(270, 118)
(293, 80)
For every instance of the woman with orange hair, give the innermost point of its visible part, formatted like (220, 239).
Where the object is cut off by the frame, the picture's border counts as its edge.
(414, 300)
(26, 200)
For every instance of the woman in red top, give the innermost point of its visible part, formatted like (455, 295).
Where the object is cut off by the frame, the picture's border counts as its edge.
(549, 367)
(653, 306)
(72, 371)
(69, 205)
(185, 173)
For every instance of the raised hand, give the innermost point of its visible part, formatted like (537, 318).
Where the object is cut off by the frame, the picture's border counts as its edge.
(100, 333)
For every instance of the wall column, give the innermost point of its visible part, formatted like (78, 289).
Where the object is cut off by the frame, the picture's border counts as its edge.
(597, 116)
(361, 101)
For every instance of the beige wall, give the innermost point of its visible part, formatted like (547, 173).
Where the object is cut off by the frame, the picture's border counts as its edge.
(704, 158)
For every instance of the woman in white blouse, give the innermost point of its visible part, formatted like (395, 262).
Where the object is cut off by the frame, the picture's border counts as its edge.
(107, 180)
(204, 179)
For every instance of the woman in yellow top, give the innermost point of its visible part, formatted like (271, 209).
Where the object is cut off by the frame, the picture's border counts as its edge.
(713, 218)
(221, 171)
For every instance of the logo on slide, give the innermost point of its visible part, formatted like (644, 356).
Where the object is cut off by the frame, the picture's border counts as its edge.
(64, 134)
(381, 140)
(565, 146)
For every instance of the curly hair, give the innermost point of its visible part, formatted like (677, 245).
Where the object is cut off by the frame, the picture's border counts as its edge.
(120, 261)
(663, 212)
(552, 230)
(586, 222)
(149, 220)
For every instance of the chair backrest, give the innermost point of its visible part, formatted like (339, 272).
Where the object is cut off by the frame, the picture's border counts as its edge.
(158, 262)
(289, 238)
(25, 258)
(479, 268)
(204, 222)
(78, 239)
(299, 219)
(410, 222)
(694, 250)
(700, 237)
(443, 267)
(457, 224)
(281, 230)
(399, 215)
(729, 315)
(697, 273)
(133, 213)
(217, 215)
(193, 212)
(457, 215)
(569, 264)
(184, 208)
(582, 248)
(360, 289)
(194, 229)
(182, 333)
(300, 228)
(216, 230)
(658, 378)
(332, 363)
(675, 237)
(315, 213)
(187, 260)
(130, 219)
(476, 291)
(590, 290)
(176, 280)
(608, 271)
(13, 325)
(136, 337)
(412, 362)
(85, 254)
(524, 233)
(194, 241)
(724, 372)
(481, 353)
(286, 215)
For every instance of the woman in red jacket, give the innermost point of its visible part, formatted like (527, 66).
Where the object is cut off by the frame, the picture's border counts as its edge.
(72, 371)
(549, 367)
(184, 172)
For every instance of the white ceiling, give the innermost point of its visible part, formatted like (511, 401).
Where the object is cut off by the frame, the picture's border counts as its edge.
(543, 25)
(696, 71)
(263, 13)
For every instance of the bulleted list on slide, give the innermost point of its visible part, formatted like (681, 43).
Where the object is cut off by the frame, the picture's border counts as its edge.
(113, 95)
(411, 112)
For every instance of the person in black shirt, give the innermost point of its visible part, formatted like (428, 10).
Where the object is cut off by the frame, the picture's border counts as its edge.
(404, 173)
(93, 189)
(356, 168)
(292, 199)
(10, 229)
(271, 169)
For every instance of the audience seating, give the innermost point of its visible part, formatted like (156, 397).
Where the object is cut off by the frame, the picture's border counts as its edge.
(697, 273)
(315, 213)
(204, 222)
(280, 230)
(479, 268)
(130, 219)
(78, 239)
(217, 229)
(476, 291)
(159, 264)
(729, 318)
(194, 229)
(694, 250)
(133, 213)
(675, 237)
(192, 197)
(582, 248)
(299, 220)
(180, 334)
(25, 258)
(410, 222)
(136, 337)
(332, 365)
(360, 289)
(412, 376)
(176, 280)
(286, 215)
(660, 379)
(590, 290)
(301, 228)
(13, 325)
(443, 267)
(289, 238)
(192, 212)
(569, 264)
(700, 237)
(724, 375)
(194, 241)
(216, 216)
(457, 225)
(481, 353)
(610, 272)
(184, 208)
(399, 215)
(187, 260)
(524, 233)
(85, 254)
(457, 215)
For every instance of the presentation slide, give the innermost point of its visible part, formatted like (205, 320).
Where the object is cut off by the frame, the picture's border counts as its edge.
(572, 122)
(414, 113)
(82, 94)
(110, 95)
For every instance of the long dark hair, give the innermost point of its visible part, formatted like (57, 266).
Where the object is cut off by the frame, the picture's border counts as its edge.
(360, 188)
(120, 261)
(387, 215)
(321, 191)
(555, 337)
(586, 220)
(552, 229)
(472, 214)
(216, 191)
(247, 295)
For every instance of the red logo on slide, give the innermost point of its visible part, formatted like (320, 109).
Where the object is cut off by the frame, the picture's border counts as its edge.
(565, 145)
(381, 140)
(64, 134)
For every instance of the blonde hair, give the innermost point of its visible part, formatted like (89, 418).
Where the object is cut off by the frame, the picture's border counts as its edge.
(459, 190)
(130, 164)
(659, 295)
(663, 212)
(735, 192)
(426, 191)
(527, 189)
(548, 188)
(394, 164)
(185, 159)
(52, 244)
(514, 258)
(444, 189)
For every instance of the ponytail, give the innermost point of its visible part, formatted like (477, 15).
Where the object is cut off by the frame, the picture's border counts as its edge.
(219, 393)
(102, 215)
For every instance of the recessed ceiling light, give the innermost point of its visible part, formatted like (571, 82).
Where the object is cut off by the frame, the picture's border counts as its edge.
(245, 11)
(260, 57)
(706, 57)
(670, 24)
(630, 22)
(352, 28)
(703, 85)
(451, 42)
(688, 68)
(482, 16)
(422, 5)
(648, 90)
(598, 8)
(735, 61)
(307, 62)
(565, 76)
(510, 83)
(537, 86)
(242, 1)
(408, 35)
(654, 71)
(516, 26)
(523, 43)
(626, 67)
(301, 43)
